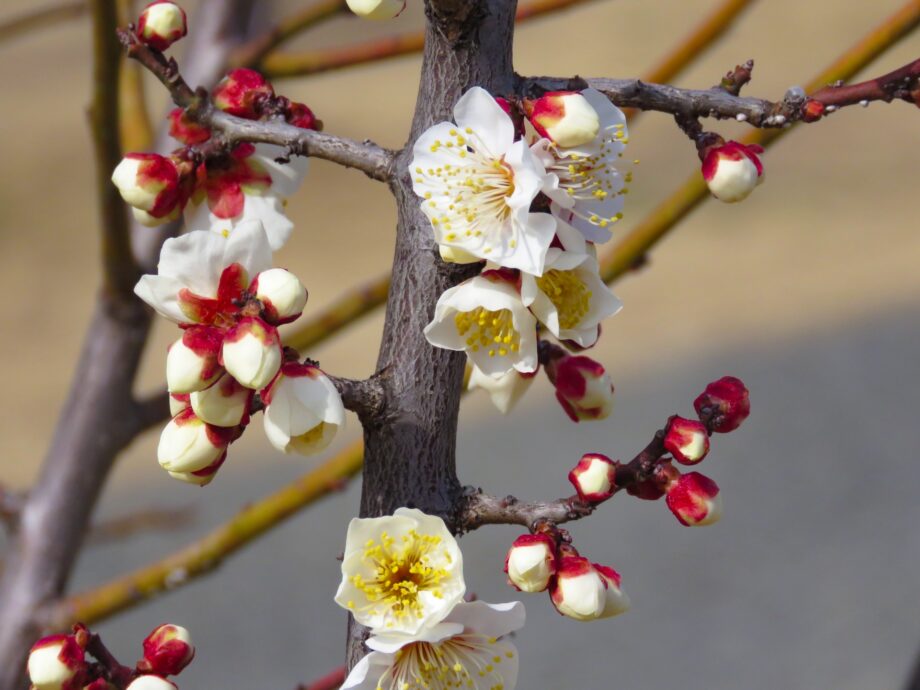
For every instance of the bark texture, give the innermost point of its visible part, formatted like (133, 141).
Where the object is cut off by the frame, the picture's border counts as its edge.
(410, 445)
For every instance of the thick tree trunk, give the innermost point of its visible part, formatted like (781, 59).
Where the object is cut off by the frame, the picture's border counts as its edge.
(410, 448)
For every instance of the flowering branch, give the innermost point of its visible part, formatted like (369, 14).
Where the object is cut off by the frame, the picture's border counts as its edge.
(375, 161)
(723, 102)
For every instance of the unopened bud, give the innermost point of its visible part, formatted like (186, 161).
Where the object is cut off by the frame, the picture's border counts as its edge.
(167, 650)
(185, 129)
(732, 170)
(192, 361)
(578, 590)
(240, 91)
(594, 477)
(251, 352)
(377, 9)
(812, 110)
(565, 118)
(687, 440)
(188, 444)
(150, 183)
(282, 295)
(303, 410)
(695, 500)
(616, 601)
(724, 404)
(57, 663)
(151, 683)
(226, 403)
(531, 562)
(161, 24)
(201, 477)
(178, 402)
(583, 388)
(301, 116)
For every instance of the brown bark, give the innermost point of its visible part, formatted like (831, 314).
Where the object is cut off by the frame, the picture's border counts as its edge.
(410, 445)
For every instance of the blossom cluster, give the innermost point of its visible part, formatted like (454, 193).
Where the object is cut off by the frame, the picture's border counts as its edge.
(229, 301)
(527, 190)
(546, 561)
(59, 662)
(216, 187)
(402, 577)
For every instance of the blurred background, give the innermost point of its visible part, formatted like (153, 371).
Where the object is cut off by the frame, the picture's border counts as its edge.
(809, 291)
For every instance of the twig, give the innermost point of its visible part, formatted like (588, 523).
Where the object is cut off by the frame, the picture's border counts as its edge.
(632, 249)
(375, 161)
(42, 17)
(364, 397)
(280, 65)
(481, 509)
(721, 102)
(204, 555)
(133, 116)
(153, 519)
(255, 50)
(11, 504)
(330, 681)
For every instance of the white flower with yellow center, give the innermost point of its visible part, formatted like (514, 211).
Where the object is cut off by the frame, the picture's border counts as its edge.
(485, 317)
(477, 184)
(401, 573)
(583, 183)
(570, 298)
(467, 650)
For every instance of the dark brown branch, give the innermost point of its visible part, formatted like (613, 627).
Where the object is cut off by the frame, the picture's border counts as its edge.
(364, 397)
(901, 84)
(482, 509)
(375, 161)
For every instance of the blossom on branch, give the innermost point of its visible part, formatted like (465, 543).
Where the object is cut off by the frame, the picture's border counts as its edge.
(57, 662)
(725, 403)
(151, 682)
(485, 317)
(687, 440)
(582, 181)
(587, 591)
(401, 573)
(303, 410)
(695, 500)
(570, 298)
(477, 184)
(161, 24)
(583, 387)
(566, 118)
(594, 477)
(156, 187)
(504, 390)
(467, 650)
(531, 562)
(167, 650)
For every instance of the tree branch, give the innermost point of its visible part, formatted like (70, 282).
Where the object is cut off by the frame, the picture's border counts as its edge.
(375, 161)
(11, 505)
(366, 397)
(720, 102)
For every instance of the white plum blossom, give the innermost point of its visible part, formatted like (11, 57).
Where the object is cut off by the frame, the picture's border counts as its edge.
(570, 298)
(477, 184)
(226, 403)
(161, 24)
(303, 410)
(201, 273)
(252, 352)
(587, 591)
(732, 170)
(566, 118)
(281, 293)
(259, 193)
(531, 562)
(468, 650)
(582, 181)
(485, 317)
(57, 662)
(401, 573)
(504, 390)
(187, 444)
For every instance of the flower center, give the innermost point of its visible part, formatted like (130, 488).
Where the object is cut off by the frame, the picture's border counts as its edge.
(569, 295)
(467, 660)
(493, 330)
(476, 186)
(402, 571)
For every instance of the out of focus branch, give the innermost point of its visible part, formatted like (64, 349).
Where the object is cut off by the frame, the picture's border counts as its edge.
(150, 520)
(375, 161)
(41, 17)
(279, 65)
(253, 52)
(11, 503)
(204, 555)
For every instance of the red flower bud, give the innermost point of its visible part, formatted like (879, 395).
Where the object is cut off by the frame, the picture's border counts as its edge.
(161, 24)
(687, 440)
(167, 650)
(695, 500)
(724, 404)
(240, 91)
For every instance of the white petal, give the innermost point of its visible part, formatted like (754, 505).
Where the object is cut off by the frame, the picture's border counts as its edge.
(491, 620)
(162, 293)
(367, 672)
(286, 177)
(478, 110)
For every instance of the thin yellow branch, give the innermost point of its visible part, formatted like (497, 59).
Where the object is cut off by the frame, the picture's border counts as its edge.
(253, 52)
(207, 553)
(41, 17)
(632, 249)
(280, 65)
(133, 115)
(259, 517)
(119, 267)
